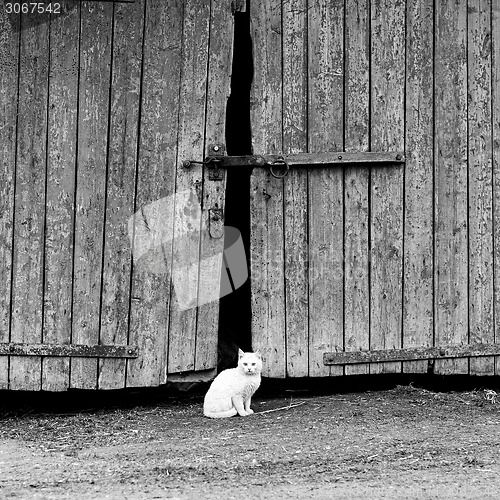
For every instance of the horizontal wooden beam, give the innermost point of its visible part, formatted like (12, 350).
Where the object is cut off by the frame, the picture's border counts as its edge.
(410, 354)
(69, 350)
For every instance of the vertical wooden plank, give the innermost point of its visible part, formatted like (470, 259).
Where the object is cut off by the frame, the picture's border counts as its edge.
(187, 224)
(295, 187)
(357, 123)
(418, 224)
(9, 62)
(387, 128)
(95, 61)
(325, 188)
(149, 313)
(480, 183)
(266, 192)
(218, 90)
(122, 155)
(495, 90)
(450, 223)
(61, 164)
(27, 297)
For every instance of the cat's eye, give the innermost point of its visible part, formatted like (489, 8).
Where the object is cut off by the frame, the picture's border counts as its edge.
(245, 364)
(253, 364)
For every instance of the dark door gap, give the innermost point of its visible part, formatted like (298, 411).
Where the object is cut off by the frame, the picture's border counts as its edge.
(235, 308)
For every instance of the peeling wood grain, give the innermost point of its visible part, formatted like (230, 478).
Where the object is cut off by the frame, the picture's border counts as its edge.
(356, 182)
(61, 161)
(27, 296)
(95, 64)
(387, 133)
(325, 187)
(266, 192)
(150, 300)
(9, 60)
(122, 154)
(418, 328)
(188, 224)
(495, 23)
(480, 176)
(450, 224)
(219, 88)
(295, 188)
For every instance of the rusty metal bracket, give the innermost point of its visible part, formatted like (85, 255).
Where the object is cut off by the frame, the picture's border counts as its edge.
(213, 162)
(216, 223)
(69, 350)
(216, 153)
(216, 160)
(411, 354)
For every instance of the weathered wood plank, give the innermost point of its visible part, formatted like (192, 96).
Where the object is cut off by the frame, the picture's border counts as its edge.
(95, 64)
(122, 155)
(68, 350)
(415, 353)
(387, 133)
(325, 186)
(294, 74)
(61, 161)
(480, 176)
(450, 149)
(27, 293)
(218, 90)
(266, 192)
(495, 40)
(9, 62)
(188, 215)
(418, 224)
(152, 226)
(356, 182)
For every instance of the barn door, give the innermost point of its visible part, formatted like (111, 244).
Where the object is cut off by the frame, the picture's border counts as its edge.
(364, 258)
(109, 265)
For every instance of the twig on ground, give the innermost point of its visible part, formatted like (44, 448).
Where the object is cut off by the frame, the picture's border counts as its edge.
(291, 405)
(490, 395)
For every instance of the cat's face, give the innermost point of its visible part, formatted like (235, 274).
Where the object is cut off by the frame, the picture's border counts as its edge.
(250, 362)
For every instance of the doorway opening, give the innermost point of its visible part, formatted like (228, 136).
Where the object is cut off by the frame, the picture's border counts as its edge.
(235, 308)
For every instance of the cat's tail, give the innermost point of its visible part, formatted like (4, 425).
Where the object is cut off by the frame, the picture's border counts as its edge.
(220, 414)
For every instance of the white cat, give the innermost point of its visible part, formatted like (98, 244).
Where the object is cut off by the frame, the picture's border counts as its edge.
(232, 390)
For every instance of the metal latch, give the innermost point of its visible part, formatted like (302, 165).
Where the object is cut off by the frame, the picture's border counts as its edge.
(279, 165)
(213, 161)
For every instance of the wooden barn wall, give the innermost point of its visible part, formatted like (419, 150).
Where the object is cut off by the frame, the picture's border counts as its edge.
(98, 106)
(376, 258)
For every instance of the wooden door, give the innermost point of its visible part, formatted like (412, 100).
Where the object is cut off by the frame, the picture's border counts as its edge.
(386, 258)
(100, 105)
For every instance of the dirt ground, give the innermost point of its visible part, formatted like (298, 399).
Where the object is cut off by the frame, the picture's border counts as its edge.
(404, 443)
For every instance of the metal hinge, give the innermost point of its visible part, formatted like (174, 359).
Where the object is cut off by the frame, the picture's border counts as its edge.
(69, 350)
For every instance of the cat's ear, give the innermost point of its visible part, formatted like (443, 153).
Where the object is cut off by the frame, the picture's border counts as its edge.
(258, 354)
(240, 353)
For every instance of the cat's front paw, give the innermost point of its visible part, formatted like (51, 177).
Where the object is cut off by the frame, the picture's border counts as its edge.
(249, 411)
